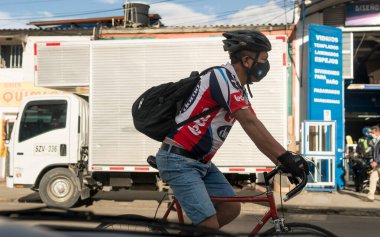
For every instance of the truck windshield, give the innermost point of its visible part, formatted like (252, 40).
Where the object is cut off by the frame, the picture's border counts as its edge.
(42, 116)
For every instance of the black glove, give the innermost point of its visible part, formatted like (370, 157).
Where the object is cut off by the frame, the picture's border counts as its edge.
(294, 164)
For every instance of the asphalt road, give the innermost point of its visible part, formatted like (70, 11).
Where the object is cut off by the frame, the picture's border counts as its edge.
(146, 203)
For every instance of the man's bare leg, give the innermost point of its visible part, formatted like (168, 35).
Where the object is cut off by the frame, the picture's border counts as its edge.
(227, 212)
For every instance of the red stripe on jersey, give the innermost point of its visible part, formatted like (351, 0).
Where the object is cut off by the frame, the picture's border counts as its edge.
(190, 134)
(237, 102)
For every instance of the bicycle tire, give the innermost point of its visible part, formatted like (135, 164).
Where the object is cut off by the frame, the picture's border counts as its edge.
(133, 223)
(300, 229)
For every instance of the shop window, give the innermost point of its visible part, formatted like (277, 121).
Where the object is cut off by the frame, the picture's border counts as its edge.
(11, 56)
(42, 117)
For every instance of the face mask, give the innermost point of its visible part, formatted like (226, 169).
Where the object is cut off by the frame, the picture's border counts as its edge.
(258, 71)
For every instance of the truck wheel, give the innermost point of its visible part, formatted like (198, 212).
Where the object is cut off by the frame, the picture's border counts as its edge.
(58, 189)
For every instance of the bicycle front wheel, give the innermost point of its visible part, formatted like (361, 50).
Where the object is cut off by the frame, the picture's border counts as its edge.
(133, 223)
(299, 229)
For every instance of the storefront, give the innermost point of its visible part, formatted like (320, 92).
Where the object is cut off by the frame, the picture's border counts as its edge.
(359, 23)
(363, 91)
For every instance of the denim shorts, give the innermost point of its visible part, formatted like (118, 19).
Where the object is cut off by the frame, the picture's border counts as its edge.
(193, 183)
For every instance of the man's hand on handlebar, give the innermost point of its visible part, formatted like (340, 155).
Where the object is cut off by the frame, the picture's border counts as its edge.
(294, 164)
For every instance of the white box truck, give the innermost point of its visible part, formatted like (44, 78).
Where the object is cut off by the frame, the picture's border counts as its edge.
(68, 146)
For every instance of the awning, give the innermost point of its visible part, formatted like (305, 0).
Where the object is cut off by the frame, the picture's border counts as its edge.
(364, 87)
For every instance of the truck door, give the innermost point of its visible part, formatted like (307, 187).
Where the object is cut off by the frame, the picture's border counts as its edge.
(41, 139)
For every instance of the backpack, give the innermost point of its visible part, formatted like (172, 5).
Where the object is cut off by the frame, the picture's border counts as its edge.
(155, 110)
(364, 147)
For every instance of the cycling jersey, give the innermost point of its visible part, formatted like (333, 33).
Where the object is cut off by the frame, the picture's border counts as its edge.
(205, 136)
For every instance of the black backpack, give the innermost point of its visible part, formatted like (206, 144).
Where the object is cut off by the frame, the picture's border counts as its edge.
(155, 110)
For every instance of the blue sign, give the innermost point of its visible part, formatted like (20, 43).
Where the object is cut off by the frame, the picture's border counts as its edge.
(326, 83)
(363, 13)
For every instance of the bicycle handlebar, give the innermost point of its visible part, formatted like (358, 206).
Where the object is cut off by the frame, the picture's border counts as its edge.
(294, 191)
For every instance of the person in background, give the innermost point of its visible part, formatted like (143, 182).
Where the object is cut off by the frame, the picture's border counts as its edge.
(364, 149)
(375, 163)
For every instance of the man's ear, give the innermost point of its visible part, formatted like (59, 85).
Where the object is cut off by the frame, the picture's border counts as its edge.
(245, 60)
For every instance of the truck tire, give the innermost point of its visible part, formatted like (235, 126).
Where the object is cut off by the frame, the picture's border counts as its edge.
(58, 188)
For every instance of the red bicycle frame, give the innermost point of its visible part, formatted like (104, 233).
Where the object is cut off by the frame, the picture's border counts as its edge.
(268, 198)
(272, 213)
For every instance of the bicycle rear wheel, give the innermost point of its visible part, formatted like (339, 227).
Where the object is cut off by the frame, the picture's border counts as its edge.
(133, 223)
(299, 229)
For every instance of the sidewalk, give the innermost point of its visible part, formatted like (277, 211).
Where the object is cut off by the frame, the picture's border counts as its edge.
(343, 202)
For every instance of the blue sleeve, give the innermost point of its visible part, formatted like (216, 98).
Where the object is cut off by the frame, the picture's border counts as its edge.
(219, 88)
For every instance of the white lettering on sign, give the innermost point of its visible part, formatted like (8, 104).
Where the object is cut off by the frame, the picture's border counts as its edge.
(320, 76)
(326, 91)
(367, 7)
(326, 53)
(326, 101)
(332, 82)
(327, 38)
(327, 72)
(326, 60)
(326, 46)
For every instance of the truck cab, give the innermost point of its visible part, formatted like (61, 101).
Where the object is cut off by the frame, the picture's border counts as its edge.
(49, 134)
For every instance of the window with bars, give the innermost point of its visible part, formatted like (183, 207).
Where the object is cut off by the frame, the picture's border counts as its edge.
(11, 56)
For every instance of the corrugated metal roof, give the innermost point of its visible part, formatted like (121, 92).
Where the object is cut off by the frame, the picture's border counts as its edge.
(192, 29)
(86, 20)
(46, 32)
(164, 29)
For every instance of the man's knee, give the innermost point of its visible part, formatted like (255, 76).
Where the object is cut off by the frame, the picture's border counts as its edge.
(236, 207)
(211, 222)
(230, 208)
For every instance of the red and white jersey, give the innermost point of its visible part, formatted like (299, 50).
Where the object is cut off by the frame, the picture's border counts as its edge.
(206, 135)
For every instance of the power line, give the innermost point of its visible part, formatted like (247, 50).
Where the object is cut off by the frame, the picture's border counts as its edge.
(233, 11)
(27, 2)
(279, 15)
(70, 14)
(228, 14)
(57, 16)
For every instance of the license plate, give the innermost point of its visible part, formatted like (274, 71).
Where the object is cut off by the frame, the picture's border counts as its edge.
(46, 149)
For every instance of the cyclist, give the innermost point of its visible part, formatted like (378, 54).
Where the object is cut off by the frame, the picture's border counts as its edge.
(184, 159)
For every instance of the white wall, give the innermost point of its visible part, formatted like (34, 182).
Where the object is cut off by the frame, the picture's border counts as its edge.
(302, 62)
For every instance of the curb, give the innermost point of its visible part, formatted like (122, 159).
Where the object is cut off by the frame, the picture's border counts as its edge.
(333, 211)
(8, 200)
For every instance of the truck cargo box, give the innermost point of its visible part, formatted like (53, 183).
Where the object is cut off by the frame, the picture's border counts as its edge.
(116, 72)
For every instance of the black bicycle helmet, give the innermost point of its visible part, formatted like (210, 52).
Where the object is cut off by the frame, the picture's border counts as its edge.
(245, 40)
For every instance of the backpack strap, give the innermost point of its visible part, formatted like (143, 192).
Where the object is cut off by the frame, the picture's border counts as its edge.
(204, 113)
(210, 68)
(198, 116)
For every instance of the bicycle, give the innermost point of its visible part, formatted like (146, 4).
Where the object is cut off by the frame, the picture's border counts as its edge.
(280, 227)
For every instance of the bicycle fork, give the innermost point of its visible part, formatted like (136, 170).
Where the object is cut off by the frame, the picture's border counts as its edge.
(279, 225)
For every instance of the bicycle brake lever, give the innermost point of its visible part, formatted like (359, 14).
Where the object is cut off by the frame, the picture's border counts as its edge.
(297, 189)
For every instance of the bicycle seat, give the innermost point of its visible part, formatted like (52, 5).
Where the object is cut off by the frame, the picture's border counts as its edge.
(152, 161)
